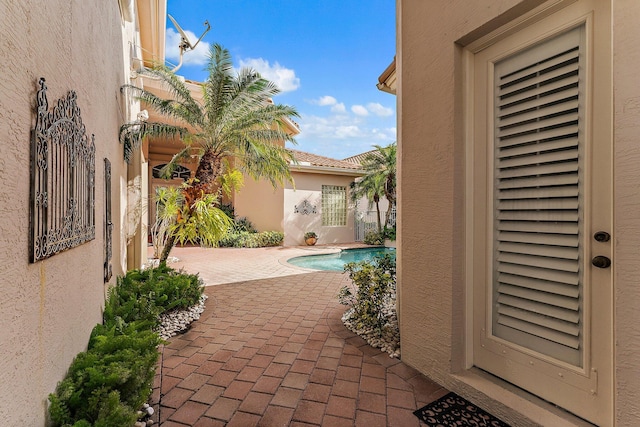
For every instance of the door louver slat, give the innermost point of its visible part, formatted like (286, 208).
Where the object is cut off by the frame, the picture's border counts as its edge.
(538, 212)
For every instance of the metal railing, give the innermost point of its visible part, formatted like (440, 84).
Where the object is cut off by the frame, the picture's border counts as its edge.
(367, 221)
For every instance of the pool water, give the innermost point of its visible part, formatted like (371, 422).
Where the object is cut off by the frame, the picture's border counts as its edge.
(337, 261)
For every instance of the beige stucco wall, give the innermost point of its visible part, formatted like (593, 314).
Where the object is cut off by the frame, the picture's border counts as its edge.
(431, 202)
(308, 186)
(261, 204)
(48, 309)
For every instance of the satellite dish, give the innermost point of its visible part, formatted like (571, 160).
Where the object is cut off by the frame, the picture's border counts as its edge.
(185, 44)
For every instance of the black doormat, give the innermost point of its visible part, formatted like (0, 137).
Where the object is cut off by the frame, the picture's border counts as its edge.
(452, 410)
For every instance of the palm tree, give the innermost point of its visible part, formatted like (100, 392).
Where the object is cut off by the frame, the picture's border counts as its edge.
(380, 172)
(370, 187)
(235, 124)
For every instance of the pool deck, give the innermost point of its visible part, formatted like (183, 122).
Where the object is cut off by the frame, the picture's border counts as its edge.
(270, 349)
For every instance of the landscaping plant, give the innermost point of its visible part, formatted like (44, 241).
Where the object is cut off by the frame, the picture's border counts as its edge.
(373, 286)
(107, 384)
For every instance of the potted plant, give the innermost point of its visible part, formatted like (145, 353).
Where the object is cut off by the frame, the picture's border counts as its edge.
(310, 238)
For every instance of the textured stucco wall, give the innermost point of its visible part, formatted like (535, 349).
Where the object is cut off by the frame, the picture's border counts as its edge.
(48, 308)
(431, 227)
(261, 203)
(309, 187)
(626, 95)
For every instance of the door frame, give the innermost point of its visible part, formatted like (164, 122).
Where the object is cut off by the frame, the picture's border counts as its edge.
(565, 14)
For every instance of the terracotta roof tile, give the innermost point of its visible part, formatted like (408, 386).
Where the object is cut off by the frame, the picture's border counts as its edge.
(316, 160)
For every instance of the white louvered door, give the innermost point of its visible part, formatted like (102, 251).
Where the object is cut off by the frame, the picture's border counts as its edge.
(541, 188)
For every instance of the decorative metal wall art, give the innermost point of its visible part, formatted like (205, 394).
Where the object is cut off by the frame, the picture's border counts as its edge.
(62, 178)
(305, 208)
(108, 223)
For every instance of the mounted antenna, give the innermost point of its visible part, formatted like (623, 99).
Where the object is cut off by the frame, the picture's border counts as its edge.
(185, 44)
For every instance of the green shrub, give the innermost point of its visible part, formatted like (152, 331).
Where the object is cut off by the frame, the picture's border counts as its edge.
(373, 283)
(108, 383)
(246, 239)
(389, 232)
(373, 238)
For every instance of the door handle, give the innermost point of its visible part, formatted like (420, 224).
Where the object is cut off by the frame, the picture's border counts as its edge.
(601, 261)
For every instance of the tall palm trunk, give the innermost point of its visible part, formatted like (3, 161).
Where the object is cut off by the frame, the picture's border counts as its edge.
(209, 169)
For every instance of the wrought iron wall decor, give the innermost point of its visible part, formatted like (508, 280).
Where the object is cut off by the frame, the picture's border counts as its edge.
(108, 223)
(305, 208)
(62, 178)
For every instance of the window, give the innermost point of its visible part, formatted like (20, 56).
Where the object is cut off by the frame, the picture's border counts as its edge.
(334, 206)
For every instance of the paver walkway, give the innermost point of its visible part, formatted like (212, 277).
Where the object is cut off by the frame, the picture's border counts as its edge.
(274, 352)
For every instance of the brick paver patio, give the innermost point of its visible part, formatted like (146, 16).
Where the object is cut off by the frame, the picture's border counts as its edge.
(274, 352)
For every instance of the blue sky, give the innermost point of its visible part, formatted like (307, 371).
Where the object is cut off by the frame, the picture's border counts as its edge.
(325, 55)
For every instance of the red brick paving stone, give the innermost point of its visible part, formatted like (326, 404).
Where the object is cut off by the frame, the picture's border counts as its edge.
(235, 364)
(242, 419)
(246, 353)
(373, 370)
(168, 383)
(250, 373)
(222, 378)
(233, 345)
(173, 361)
(344, 407)
(269, 350)
(207, 422)
(282, 332)
(328, 363)
(188, 351)
(279, 341)
(345, 388)
(333, 421)
(277, 370)
(238, 390)
(256, 342)
(368, 419)
(356, 341)
(198, 359)
(210, 349)
(276, 416)
(165, 413)
(334, 342)
(255, 403)
(394, 381)
(401, 399)
(287, 358)
(292, 347)
(288, 397)
(295, 380)
(319, 336)
(385, 360)
(399, 417)
(298, 338)
(209, 367)
(177, 343)
(260, 360)
(189, 412)
(348, 373)
(267, 384)
(223, 409)
(176, 397)
(404, 371)
(180, 371)
(302, 366)
(373, 385)
(221, 356)
(423, 387)
(207, 394)
(314, 345)
(372, 402)
(322, 376)
(331, 352)
(317, 393)
(307, 354)
(309, 412)
(172, 424)
(194, 381)
(351, 360)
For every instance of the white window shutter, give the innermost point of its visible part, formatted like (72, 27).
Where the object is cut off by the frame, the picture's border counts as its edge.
(537, 277)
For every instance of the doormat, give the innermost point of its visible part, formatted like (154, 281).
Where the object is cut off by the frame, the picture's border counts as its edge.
(453, 410)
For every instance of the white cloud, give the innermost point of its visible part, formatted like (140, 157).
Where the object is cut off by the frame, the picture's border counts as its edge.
(338, 108)
(325, 100)
(359, 110)
(284, 78)
(379, 110)
(198, 56)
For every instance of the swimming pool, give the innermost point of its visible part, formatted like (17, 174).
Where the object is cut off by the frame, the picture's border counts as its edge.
(337, 261)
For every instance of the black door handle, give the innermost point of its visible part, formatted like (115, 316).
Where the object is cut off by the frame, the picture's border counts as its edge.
(601, 261)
